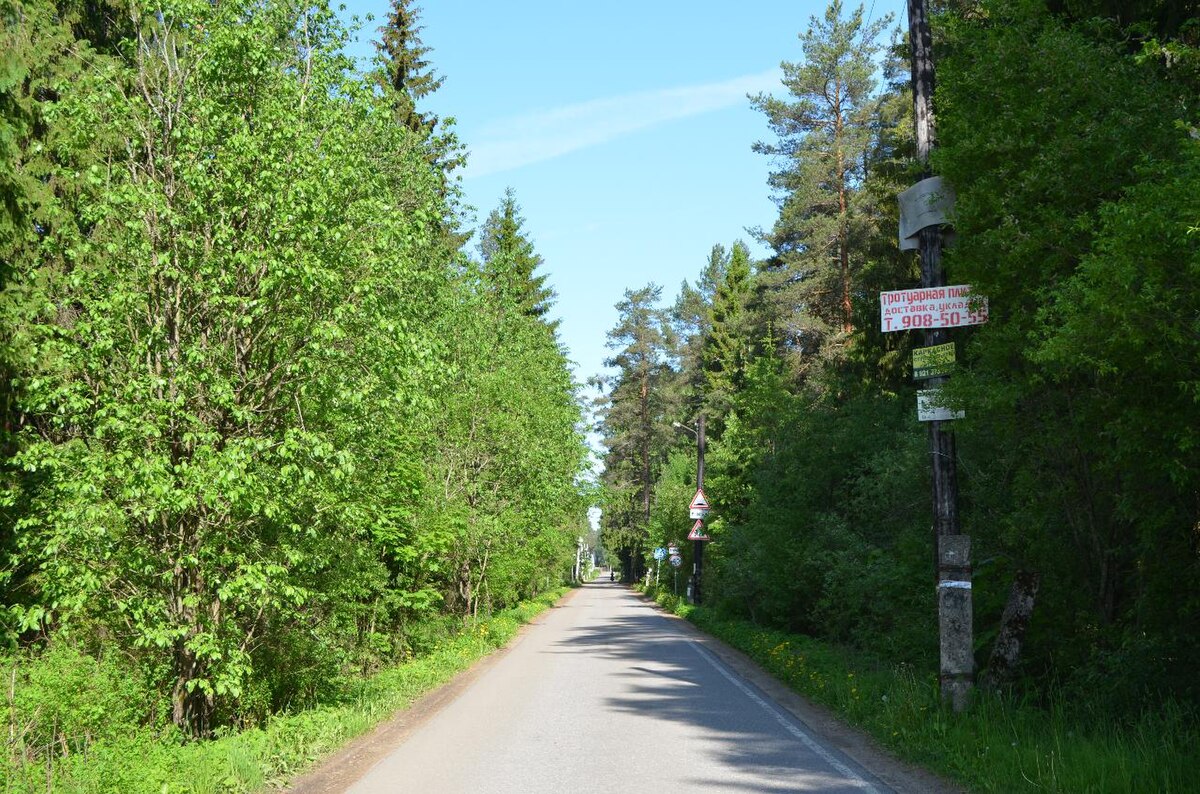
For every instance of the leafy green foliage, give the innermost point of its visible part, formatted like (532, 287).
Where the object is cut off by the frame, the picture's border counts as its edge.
(263, 419)
(634, 422)
(509, 261)
(1075, 198)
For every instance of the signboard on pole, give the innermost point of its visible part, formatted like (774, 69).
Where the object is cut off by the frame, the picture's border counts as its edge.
(929, 408)
(660, 553)
(699, 501)
(697, 512)
(673, 550)
(933, 362)
(929, 202)
(931, 307)
(698, 532)
(676, 561)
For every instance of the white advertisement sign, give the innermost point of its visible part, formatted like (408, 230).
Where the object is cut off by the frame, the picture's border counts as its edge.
(931, 307)
(928, 409)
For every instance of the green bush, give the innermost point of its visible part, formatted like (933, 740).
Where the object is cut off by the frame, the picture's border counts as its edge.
(64, 701)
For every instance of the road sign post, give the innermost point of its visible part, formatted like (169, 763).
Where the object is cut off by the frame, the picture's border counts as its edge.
(700, 502)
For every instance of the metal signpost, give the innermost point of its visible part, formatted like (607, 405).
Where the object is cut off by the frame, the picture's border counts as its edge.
(698, 510)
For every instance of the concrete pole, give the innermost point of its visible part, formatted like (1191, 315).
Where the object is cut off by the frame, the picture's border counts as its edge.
(952, 549)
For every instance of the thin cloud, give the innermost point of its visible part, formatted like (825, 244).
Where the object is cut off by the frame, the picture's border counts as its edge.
(535, 137)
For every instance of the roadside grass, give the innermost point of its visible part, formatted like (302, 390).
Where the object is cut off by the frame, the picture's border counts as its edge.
(999, 745)
(265, 758)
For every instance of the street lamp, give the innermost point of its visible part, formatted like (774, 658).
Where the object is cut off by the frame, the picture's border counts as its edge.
(697, 545)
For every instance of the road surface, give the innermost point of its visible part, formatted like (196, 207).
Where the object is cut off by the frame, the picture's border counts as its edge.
(604, 690)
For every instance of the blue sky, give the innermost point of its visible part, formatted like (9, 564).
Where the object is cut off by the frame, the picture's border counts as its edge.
(623, 128)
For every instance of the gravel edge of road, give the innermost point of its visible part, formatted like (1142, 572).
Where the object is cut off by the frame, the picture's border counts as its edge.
(336, 772)
(903, 777)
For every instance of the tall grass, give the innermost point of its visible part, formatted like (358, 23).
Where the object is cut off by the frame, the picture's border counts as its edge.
(999, 745)
(258, 758)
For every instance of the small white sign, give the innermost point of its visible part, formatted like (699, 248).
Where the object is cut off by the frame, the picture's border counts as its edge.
(931, 307)
(697, 512)
(928, 409)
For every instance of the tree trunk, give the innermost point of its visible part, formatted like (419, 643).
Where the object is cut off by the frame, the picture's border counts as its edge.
(844, 240)
(1006, 653)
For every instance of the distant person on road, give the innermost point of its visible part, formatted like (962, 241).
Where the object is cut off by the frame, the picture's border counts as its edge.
(612, 575)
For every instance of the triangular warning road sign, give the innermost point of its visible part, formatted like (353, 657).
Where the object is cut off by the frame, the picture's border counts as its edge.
(699, 501)
(697, 532)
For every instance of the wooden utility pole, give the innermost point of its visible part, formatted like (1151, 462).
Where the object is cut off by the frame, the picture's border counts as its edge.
(952, 547)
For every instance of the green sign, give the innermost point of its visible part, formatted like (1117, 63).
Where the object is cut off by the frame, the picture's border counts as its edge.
(933, 362)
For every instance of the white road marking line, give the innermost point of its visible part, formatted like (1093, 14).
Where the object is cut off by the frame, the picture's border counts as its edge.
(788, 725)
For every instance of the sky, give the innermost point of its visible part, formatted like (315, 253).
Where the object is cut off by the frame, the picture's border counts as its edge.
(623, 127)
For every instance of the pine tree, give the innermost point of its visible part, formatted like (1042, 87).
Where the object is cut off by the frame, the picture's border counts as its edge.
(634, 426)
(509, 261)
(824, 132)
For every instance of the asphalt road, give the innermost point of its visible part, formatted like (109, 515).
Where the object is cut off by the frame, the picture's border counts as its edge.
(605, 691)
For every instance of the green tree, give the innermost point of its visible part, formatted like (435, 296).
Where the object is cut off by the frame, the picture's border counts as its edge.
(634, 423)
(196, 436)
(690, 320)
(509, 261)
(405, 76)
(1082, 477)
(730, 344)
(824, 133)
(39, 61)
(405, 66)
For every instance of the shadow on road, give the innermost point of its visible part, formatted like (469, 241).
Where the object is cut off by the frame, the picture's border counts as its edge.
(665, 677)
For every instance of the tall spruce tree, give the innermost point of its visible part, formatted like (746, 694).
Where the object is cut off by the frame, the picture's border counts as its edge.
(824, 131)
(509, 261)
(691, 321)
(729, 345)
(406, 68)
(406, 77)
